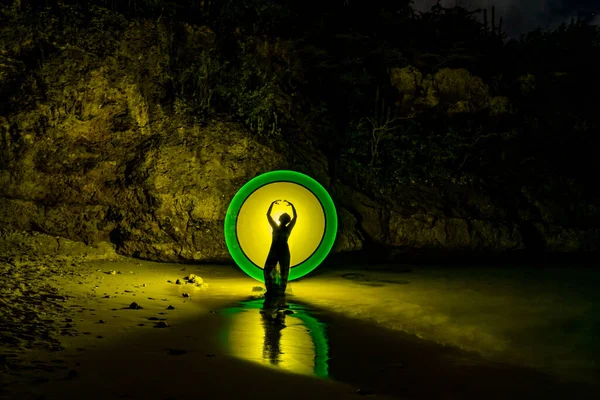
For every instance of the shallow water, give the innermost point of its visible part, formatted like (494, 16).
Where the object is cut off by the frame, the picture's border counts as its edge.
(542, 318)
(280, 334)
(534, 322)
(294, 337)
(405, 331)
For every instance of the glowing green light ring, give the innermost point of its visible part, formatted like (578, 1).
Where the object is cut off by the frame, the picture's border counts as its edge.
(271, 177)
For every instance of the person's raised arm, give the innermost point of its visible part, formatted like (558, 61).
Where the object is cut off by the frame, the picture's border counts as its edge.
(294, 215)
(271, 220)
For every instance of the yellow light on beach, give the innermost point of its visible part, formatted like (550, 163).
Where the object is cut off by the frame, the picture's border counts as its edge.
(254, 338)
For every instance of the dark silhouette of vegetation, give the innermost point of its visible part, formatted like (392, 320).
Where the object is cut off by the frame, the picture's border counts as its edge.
(321, 71)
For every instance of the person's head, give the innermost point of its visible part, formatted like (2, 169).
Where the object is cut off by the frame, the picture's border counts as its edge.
(284, 219)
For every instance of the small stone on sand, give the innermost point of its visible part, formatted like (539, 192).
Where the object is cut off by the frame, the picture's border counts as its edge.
(176, 352)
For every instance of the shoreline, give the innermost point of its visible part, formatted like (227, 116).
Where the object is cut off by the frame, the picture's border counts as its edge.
(193, 328)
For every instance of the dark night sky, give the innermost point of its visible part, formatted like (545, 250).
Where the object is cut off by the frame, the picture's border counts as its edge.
(521, 16)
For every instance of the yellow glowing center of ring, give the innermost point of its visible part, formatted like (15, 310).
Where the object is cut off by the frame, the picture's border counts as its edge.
(249, 235)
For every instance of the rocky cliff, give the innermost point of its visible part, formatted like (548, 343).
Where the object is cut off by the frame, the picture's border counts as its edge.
(92, 152)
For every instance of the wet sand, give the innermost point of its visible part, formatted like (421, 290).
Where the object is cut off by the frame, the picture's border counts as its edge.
(396, 363)
(108, 351)
(113, 352)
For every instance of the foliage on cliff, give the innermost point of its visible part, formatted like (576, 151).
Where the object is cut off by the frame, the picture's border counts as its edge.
(391, 97)
(477, 115)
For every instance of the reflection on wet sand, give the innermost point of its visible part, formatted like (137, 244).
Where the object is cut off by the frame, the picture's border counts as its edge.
(288, 337)
(273, 321)
(279, 334)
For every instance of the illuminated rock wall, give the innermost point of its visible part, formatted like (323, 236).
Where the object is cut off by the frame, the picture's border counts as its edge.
(91, 152)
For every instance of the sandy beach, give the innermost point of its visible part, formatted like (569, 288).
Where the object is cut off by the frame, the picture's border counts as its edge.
(71, 329)
(85, 340)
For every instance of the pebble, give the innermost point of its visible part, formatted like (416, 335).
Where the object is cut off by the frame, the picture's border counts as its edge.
(135, 306)
(191, 278)
(176, 352)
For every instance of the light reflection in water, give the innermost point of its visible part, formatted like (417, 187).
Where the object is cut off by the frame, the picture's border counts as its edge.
(278, 334)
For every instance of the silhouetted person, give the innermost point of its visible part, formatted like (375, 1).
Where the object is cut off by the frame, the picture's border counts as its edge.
(279, 252)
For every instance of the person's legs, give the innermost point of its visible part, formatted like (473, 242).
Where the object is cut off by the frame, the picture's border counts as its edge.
(267, 274)
(284, 264)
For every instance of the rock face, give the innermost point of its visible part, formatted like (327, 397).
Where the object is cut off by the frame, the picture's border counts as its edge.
(26, 247)
(157, 198)
(456, 89)
(95, 158)
(421, 219)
